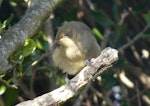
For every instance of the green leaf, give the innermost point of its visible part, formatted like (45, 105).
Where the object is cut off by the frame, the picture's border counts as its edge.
(23, 51)
(60, 81)
(147, 18)
(97, 33)
(2, 89)
(13, 4)
(29, 47)
(46, 46)
(39, 45)
(7, 22)
(10, 96)
(145, 36)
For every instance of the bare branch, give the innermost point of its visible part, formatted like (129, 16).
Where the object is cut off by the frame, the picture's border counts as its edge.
(28, 26)
(106, 60)
(107, 34)
(134, 39)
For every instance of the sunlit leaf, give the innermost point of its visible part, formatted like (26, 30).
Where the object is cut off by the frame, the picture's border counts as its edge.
(38, 44)
(28, 48)
(2, 89)
(7, 22)
(60, 81)
(12, 3)
(2, 75)
(98, 33)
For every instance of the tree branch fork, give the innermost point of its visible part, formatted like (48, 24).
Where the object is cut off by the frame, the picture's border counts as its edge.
(105, 60)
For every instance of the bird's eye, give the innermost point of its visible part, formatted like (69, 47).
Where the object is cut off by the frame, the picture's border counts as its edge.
(67, 34)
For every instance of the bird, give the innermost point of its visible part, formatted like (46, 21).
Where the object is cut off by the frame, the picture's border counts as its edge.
(74, 44)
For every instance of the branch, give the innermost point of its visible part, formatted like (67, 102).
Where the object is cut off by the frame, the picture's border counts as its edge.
(134, 39)
(27, 27)
(106, 60)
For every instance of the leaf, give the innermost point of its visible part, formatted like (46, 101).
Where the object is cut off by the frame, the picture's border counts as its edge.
(29, 47)
(98, 33)
(145, 36)
(46, 46)
(147, 18)
(60, 81)
(10, 96)
(39, 45)
(2, 89)
(7, 22)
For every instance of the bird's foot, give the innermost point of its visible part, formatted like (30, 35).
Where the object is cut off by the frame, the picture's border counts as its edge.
(68, 83)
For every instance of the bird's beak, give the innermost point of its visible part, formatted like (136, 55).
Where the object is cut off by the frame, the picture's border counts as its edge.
(55, 44)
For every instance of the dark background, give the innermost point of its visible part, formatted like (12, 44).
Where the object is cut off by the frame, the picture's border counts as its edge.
(115, 23)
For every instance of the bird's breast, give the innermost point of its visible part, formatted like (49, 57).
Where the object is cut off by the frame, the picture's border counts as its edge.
(69, 60)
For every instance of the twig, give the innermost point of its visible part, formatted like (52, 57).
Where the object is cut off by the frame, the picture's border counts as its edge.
(136, 54)
(142, 77)
(6, 84)
(138, 94)
(124, 14)
(27, 92)
(106, 37)
(141, 93)
(58, 96)
(91, 5)
(134, 39)
(34, 63)
(86, 14)
(104, 97)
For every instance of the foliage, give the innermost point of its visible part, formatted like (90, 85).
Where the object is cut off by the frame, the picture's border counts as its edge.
(113, 22)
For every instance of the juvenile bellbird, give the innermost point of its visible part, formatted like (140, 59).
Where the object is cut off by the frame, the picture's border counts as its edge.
(73, 45)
